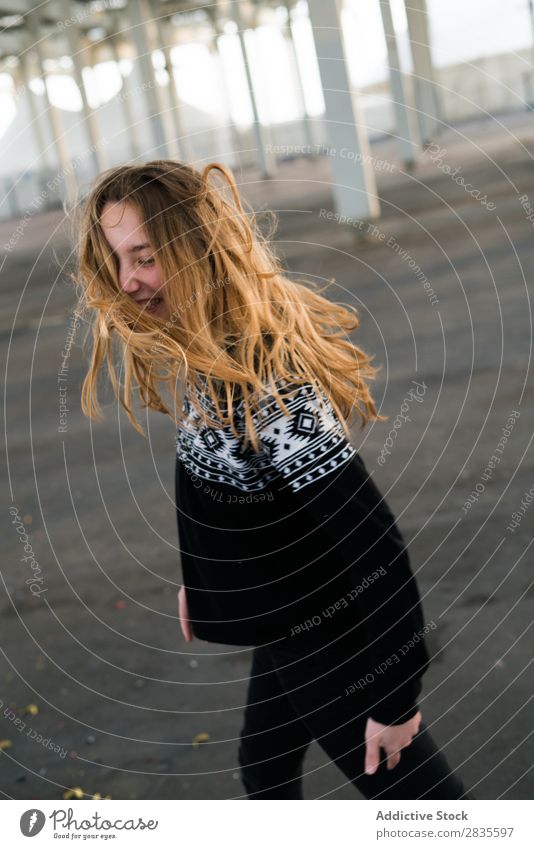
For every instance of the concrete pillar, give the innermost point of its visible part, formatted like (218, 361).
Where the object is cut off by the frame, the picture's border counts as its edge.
(266, 159)
(90, 126)
(125, 99)
(165, 29)
(52, 114)
(425, 89)
(142, 31)
(294, 57)
(354, 183)
(408, 140)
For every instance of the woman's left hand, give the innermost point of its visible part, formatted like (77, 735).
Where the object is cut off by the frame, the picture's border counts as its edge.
(391, 738)
(183, 614)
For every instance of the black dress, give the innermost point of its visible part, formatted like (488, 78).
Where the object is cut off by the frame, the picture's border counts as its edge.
(296, 543)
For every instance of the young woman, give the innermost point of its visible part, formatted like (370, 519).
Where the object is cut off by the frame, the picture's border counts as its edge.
(286, 543)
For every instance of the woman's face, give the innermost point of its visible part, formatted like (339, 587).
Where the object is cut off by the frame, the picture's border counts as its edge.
(139, 276)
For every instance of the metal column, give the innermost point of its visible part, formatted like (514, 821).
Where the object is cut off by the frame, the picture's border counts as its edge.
(425, 89)
(36, 125)
(52, 114)
(354, 183)
(139, 12)
(298, 78)
(266, 159)
(405, 115)
(98, 156)
(124, 98)
(182, 145)
(214, 47)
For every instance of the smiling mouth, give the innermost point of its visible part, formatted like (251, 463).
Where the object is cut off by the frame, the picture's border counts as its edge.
(150, 304)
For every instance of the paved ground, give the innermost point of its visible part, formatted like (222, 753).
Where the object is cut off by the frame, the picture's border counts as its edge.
(115, 685)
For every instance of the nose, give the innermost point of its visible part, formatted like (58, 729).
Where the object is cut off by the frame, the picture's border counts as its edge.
(129, 283)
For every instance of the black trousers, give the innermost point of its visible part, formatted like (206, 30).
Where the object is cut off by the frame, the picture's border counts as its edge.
(296, 694)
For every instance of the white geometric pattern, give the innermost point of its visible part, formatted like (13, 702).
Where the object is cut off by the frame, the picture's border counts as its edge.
(301, 447)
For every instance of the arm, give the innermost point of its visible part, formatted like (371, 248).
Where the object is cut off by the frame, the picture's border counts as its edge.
(328, 477)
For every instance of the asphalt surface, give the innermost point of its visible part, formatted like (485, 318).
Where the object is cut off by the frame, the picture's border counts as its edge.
(119, 696)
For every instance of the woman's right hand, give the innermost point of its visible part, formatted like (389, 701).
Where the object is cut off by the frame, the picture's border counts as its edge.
(183, 615)
(391, 738)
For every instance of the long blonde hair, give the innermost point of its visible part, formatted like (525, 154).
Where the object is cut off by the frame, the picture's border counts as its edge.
(237, 323)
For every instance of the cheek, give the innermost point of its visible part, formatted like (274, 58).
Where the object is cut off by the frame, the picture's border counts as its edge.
(154, 279)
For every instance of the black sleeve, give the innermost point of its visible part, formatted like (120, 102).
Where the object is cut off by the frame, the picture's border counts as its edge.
(327, 475)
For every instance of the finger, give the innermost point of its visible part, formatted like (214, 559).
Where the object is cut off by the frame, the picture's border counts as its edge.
(186, 628)
(184, 621)
(393, 760)
(372, 756)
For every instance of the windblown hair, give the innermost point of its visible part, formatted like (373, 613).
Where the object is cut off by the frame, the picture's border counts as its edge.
(237, 324)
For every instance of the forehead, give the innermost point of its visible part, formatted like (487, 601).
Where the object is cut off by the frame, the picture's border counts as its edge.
(122, 226)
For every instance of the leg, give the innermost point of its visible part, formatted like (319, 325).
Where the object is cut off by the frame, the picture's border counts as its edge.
(315, 684)
(273, 740)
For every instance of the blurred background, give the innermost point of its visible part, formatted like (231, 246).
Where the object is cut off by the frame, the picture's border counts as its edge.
(394, 140)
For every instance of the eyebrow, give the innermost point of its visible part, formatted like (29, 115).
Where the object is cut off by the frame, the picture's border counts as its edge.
(135, 248)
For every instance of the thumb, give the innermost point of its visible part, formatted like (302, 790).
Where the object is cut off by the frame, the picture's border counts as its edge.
(372, 755)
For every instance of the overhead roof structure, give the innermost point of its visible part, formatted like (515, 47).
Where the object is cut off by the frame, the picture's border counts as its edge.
(89, 31)
(95, 20)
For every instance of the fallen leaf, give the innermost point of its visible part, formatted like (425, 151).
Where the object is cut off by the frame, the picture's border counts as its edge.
(33, 710)
(120, 604)
(5, 744)
(203, 737)
(73, 793)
